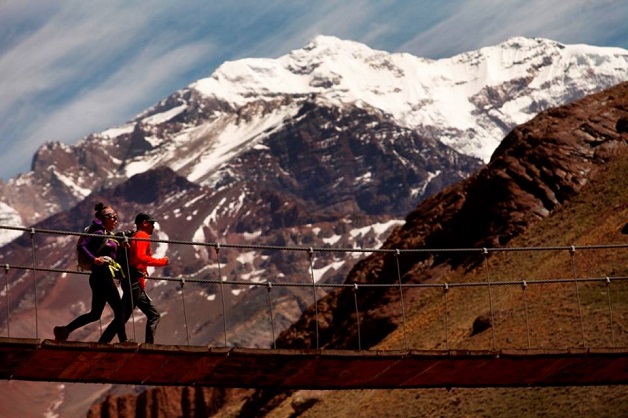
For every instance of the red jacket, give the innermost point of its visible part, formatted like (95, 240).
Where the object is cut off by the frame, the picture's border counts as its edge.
(141, 256)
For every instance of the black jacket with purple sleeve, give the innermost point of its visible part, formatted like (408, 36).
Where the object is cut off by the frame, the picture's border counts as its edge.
(93, 247)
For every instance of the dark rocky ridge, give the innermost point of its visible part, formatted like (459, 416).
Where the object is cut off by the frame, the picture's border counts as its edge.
(538, 167)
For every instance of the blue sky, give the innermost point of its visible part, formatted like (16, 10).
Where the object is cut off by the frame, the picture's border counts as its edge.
(69, 68)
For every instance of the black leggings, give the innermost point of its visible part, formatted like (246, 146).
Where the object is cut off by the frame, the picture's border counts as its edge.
(136, 297)
(104, 291)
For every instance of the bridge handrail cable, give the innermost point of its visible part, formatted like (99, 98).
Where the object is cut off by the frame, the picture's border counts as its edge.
(182, 279)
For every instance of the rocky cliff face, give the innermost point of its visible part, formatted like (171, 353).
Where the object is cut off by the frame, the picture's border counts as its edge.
(162, 402)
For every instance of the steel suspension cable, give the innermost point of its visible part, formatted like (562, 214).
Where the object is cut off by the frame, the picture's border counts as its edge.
(34, 283)
(403, 312)
(222, 295)
(6, 286)
(490, 297)
(328, 249)
(446, 315)
(357, 314)
(572, 252)
(270, 308)
(610, 310)
(525, 310)
(311, 254)
(185, 316)
(334, 285)
(128, 278)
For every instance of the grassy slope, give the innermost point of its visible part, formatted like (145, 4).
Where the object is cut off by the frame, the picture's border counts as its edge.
(595, 216)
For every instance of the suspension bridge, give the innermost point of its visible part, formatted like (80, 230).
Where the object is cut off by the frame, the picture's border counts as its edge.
(603, 362)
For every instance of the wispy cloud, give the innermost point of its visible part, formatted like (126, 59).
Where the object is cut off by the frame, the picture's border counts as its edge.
(115, 99)
(479, 23)
(84, 69)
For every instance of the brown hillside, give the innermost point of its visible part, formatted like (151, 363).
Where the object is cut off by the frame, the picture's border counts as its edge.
(596, 216)
(559, 180)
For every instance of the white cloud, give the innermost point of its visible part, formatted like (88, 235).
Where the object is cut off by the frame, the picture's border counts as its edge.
(480, 23)
(82, 71)
(113, 101)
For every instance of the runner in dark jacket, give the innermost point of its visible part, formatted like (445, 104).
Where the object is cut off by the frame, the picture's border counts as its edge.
(101, 251)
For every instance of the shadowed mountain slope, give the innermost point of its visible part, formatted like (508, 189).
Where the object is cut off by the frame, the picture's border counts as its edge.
(538, 167)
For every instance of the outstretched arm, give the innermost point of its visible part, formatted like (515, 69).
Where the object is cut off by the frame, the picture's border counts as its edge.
(145, 256)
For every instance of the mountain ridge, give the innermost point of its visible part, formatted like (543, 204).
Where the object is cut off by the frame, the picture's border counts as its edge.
(468, 102)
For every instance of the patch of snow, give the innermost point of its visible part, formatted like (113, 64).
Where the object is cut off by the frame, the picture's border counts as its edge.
(332, 240)
(231, 139)
(9, 217)
(252, 235)
(164, 116)
(117, 131)
(247, 257)
(319, 273)
(70, 183)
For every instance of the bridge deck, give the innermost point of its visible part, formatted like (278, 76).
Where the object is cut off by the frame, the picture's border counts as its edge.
(47, 360)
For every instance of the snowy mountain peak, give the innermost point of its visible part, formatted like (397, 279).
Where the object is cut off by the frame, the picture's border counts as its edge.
(522, 42)
(468, 102)
(323, 46)
(510, 82)
(327, 66)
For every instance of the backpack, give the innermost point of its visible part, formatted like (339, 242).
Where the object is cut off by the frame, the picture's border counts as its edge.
(83, 261)
(122, 256)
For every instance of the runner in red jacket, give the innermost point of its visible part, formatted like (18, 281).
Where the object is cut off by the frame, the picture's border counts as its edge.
(140, 253)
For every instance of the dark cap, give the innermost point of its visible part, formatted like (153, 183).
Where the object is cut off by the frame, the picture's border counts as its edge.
(141, 217)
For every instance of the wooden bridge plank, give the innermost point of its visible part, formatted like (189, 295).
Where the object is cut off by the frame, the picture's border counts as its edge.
(28, 359)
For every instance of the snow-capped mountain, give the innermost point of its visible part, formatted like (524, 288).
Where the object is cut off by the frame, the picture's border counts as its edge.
(468, 102)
